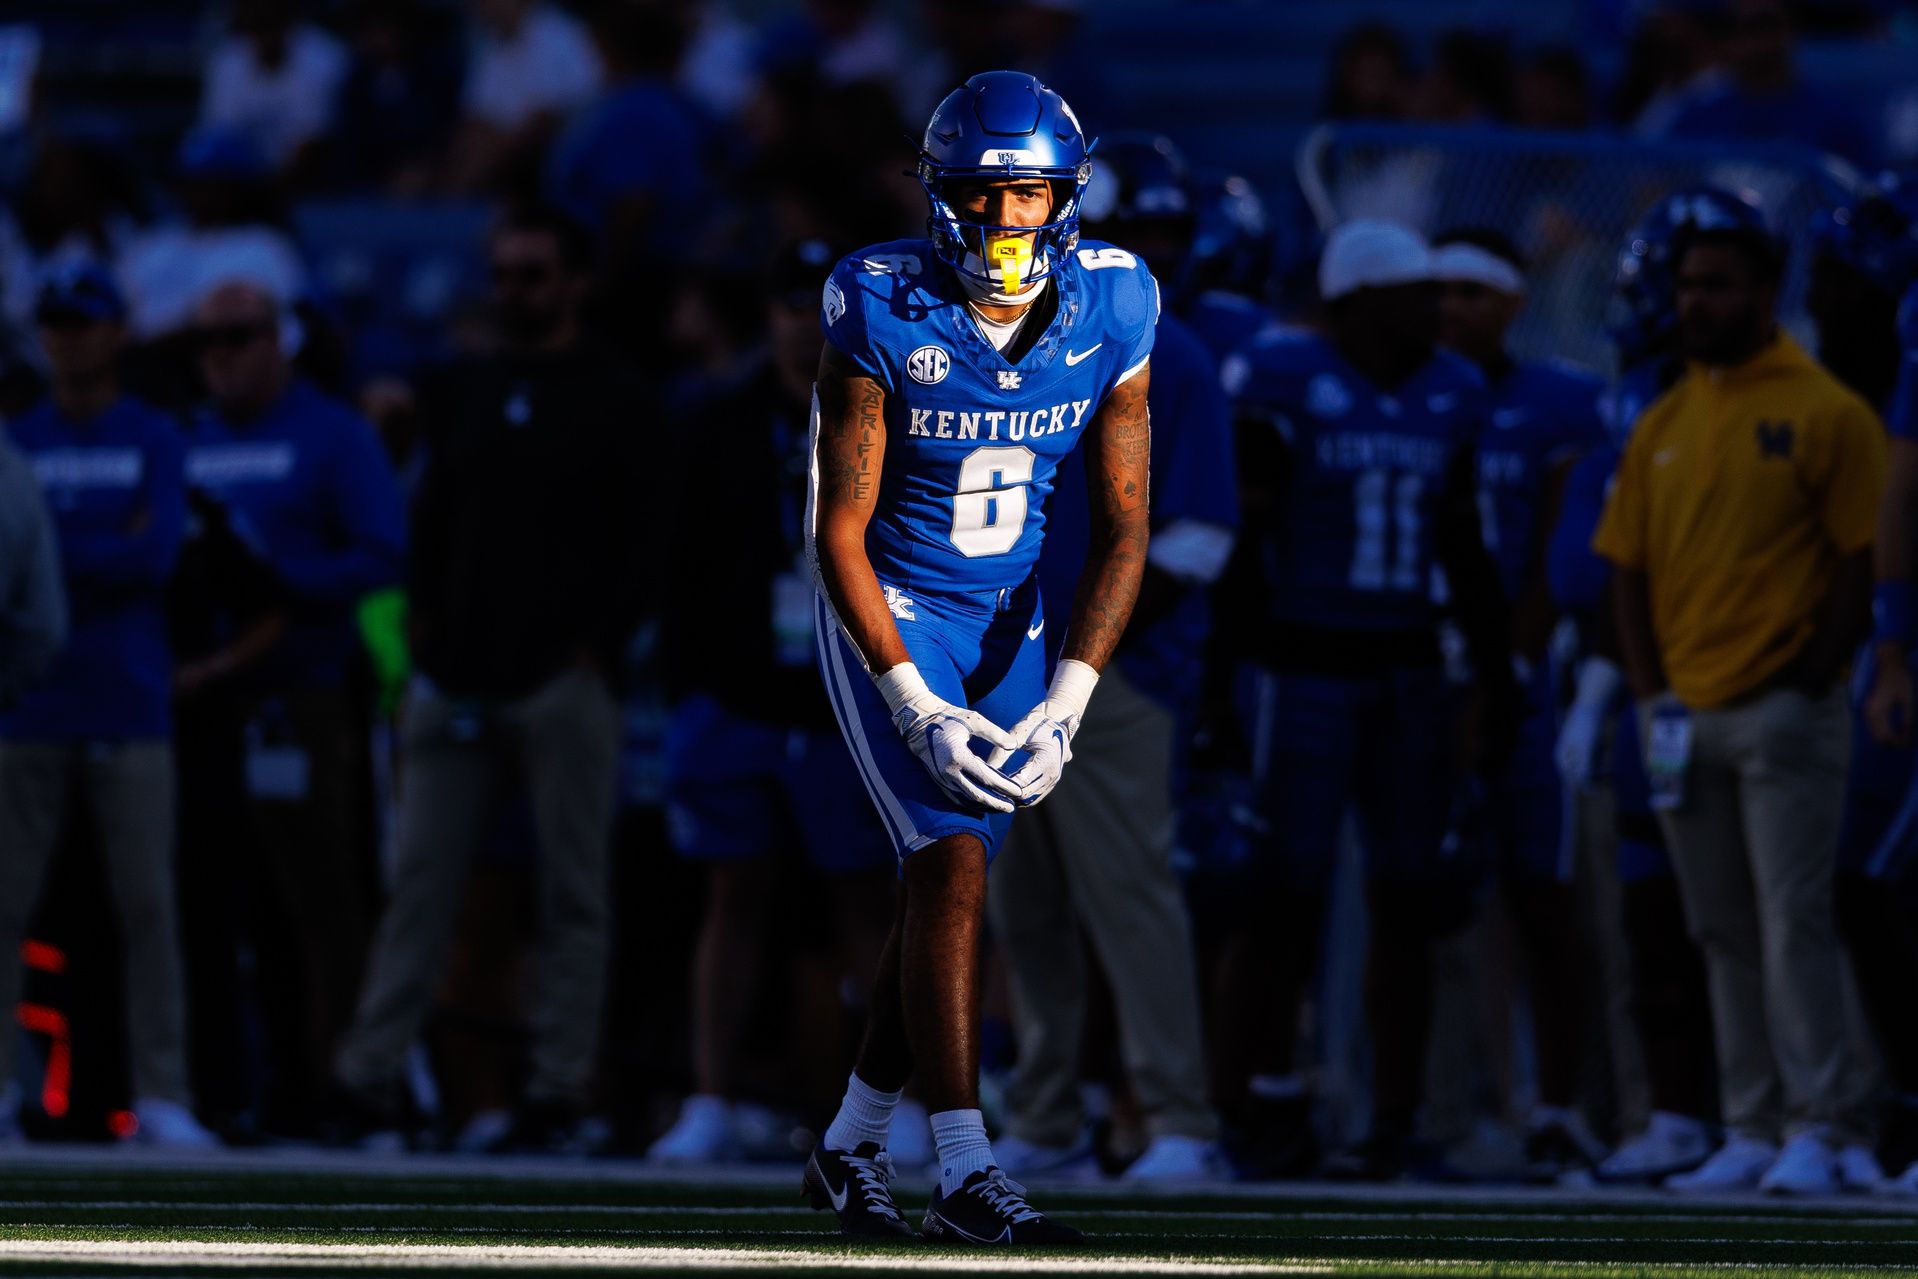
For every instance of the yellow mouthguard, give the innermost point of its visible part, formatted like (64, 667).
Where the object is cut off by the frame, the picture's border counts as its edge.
(1012, 255)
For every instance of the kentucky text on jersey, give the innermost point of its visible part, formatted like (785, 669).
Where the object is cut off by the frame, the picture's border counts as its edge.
(1019, 424)
(974, 439)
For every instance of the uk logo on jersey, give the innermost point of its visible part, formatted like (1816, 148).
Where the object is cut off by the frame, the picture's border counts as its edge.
(1009, 380)
(929, 365)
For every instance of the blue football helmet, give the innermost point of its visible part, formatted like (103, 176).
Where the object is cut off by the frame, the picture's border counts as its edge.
(998, 125)
(1642, 315)
(1232, 241)
(1875, 233)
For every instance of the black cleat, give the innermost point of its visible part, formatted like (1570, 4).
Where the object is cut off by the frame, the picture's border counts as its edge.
(856, 1184)
(990, 1208)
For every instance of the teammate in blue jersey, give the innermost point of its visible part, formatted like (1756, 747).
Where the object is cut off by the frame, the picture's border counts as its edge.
(1542, 418)
(1222, 290)
(1865, 255)
(959, 373)
(1361, 445)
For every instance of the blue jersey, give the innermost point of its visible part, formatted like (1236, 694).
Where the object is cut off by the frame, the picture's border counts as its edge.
(1541, 415)
(1225, 322)
(117, 494)
(1578, 576)
(1350, 544)
(1902, 418)
(972, 439)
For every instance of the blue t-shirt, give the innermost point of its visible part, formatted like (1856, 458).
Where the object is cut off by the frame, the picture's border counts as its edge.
(310, 481)
(117, 493)
(1350, 545)
(1541, 415)
(1225, 322)
(1195, 505)
(972, 440)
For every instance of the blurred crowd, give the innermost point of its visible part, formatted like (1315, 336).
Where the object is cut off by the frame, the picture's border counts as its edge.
(410, 729)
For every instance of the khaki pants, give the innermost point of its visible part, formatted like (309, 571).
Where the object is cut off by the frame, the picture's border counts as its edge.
(565, 738)
(128, 791)
(1094, 862)
(1755, 846)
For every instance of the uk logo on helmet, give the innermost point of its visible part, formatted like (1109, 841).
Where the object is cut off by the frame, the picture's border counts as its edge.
(928, 365)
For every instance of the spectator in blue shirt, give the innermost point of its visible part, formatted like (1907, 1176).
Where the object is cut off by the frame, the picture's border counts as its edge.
(33, 608)
(99, 724)
(307, 478)
(1765, 100)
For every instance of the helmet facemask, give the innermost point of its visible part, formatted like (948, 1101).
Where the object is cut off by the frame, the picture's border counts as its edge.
(988, 254)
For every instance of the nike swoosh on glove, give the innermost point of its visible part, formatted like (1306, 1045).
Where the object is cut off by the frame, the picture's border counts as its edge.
(941, 734)
(1046, 733)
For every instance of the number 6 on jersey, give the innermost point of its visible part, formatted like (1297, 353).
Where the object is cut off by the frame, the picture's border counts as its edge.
(989, 509)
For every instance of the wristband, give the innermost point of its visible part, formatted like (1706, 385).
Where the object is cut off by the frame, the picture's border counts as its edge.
(900, 685)
(1892, 605)
(1598, 682)
(1072, 684)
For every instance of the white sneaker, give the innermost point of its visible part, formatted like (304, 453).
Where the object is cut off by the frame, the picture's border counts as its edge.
(170, 1124)
(1858, 1170)
(909, 1140)
(1806, 1166)
(1738, 1165)
(1904, 1185)
(1670, 1144)
(703, 1134)
(1020, 1158)
(1170, 1158)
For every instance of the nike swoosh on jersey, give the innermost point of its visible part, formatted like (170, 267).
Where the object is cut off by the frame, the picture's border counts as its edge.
(1037, 631)
(1073, 357)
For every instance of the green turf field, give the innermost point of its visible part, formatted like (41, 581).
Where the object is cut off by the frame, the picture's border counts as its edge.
(100, 1215)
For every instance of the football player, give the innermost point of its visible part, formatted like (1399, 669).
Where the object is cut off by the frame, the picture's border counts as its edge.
(1543, 417)
(960, 371)
(1362, 442)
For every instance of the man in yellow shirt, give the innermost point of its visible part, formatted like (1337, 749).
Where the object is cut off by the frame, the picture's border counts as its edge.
(1741, 525)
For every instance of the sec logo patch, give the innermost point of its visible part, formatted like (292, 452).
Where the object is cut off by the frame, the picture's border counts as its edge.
(928, 365)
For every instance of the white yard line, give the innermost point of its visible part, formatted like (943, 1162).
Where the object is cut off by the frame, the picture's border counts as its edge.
(1275, 1214)
(467, 1256)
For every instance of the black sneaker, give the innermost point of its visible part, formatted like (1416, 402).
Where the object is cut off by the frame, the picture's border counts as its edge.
(991, 1208)
(382, 1119)
(856, 1184)
(1554, 1150)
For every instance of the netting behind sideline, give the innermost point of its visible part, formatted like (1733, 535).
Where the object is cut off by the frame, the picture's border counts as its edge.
(1566, 200)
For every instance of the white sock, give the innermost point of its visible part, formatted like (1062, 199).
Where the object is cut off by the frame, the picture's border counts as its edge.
(960, 1136)
(864, 1115)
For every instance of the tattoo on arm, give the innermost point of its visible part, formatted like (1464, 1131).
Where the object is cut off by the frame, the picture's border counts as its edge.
(852, 432)
(850, 456)
(1118, 456)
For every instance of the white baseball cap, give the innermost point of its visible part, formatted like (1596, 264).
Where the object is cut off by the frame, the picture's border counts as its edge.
(1369, 254)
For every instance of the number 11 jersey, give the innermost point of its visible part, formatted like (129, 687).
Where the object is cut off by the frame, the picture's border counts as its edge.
(973, 439)
(1351, 544)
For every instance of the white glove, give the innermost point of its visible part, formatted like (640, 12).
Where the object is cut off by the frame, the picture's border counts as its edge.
(941, 734)
(1046, 733)
(1584, 728)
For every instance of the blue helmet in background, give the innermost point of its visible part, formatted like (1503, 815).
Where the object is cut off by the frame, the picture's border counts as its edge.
(1000, 125)
(1874, 233)
(1233, 244)
(1140, 197)
(1643, 313)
